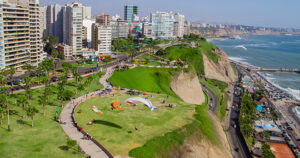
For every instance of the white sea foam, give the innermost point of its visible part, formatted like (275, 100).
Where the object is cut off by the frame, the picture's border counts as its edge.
(241, 46)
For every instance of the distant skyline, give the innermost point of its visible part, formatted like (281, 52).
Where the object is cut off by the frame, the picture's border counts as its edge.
(267, 13)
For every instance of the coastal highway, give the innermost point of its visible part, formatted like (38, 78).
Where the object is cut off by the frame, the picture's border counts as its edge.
(213, 100)
(236, 139)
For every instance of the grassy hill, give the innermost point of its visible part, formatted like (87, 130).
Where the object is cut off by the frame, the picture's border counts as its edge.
(144, 79)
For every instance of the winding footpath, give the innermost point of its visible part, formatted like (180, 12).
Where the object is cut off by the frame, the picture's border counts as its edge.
(88, 146)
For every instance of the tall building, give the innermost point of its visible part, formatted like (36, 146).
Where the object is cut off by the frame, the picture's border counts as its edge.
(88, 24)
(55, 21)
(15, 35)
(20, 33)
(119, 29)
(72, 28)
(36, 46)
(129, 11)
(86, 12)
(147, 30)
(43, 21)
(101, 38)
(103, 19)
(187, 28)
(178, 25)
(162, 25)
(84, 37)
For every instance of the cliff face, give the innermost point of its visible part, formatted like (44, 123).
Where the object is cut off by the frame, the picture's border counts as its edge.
(221, 70)
(187, 86)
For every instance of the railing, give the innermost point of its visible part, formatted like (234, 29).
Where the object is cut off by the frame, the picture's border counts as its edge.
(85, 133)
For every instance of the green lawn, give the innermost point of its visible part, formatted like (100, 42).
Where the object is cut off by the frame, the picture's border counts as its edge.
(191, 55)
(46, 138)
(115, 129)
(234, 69)
(146, 79)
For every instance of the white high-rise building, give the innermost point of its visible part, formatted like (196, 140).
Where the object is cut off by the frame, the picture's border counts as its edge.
(101, 38)
(147, 30)
(88, 24)
(86, 12)
(20, 41)
(178, 25)
(119, 28)
(162, 25)
(36, 46)
(72, 27)
(43, 21)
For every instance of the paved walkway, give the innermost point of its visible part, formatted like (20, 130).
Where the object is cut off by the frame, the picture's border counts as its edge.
(88, 146)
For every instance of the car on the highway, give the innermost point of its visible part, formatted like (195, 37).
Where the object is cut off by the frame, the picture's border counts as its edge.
(237, 149)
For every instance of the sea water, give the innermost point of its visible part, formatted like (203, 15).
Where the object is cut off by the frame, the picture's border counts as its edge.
(268, 51)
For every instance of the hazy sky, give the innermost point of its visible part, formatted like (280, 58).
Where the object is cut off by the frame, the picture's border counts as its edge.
(275, 13)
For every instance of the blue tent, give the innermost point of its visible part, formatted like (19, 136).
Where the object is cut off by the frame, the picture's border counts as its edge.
(259, 108)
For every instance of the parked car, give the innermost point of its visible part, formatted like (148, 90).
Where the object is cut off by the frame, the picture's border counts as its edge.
(237, 149)
(54, 79)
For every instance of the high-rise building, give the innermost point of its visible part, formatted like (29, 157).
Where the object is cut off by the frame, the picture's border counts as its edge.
(36, 46)
(84, 37)
(147, 30)
(72, 28)
(178, 25)
(119, 29)
(88, 24)
(162, 25)
(86, 12)
(103, 19)
(20, 42)
(101, 38)
(55, 21)
(43, 21)
(129, 11)
(187, 28)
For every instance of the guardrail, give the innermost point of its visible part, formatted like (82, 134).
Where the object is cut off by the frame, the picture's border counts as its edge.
(85, 133)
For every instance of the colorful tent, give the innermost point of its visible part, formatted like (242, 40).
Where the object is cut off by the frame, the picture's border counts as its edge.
(259, 108)
(143, 100)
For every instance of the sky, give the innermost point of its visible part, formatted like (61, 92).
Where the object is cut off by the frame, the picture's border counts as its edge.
(268, 13)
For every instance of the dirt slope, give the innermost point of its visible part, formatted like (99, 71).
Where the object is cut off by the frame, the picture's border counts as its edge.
(187, 86)
(221, 70)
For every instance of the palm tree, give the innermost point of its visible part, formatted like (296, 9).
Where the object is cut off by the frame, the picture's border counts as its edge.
(76, 76)
(12, 71)
(39, 73)
(22, 100)
(4, 103)
(31, 111)
(28, 82)
(2, 114)
(43, 100)
(88, 82)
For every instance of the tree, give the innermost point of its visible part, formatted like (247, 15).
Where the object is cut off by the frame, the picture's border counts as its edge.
(27, 81)
(76, 75)
(39, 73)
(22, 100)
(61, 56)
(267, 153)
(47, 65)
(54, 53)
(51, 42)
(12, 71)
(1, 114)
(107, 59)
(31, 111)
(29, 68)
(43, 101)
(4, 103)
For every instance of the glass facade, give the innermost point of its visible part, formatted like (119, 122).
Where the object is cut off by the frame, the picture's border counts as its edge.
(129, 11)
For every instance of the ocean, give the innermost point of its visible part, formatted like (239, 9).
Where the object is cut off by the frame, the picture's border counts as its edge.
(268, 51)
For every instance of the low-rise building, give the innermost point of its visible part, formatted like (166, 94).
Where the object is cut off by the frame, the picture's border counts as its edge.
(66, 50)
(147, 30)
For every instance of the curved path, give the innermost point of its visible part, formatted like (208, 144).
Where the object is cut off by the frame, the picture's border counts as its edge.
(88, 146)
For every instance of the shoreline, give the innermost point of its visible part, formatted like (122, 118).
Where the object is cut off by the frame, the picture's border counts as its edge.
(246, 66)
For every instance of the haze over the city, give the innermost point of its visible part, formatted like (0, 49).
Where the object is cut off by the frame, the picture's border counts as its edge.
(275, 13)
